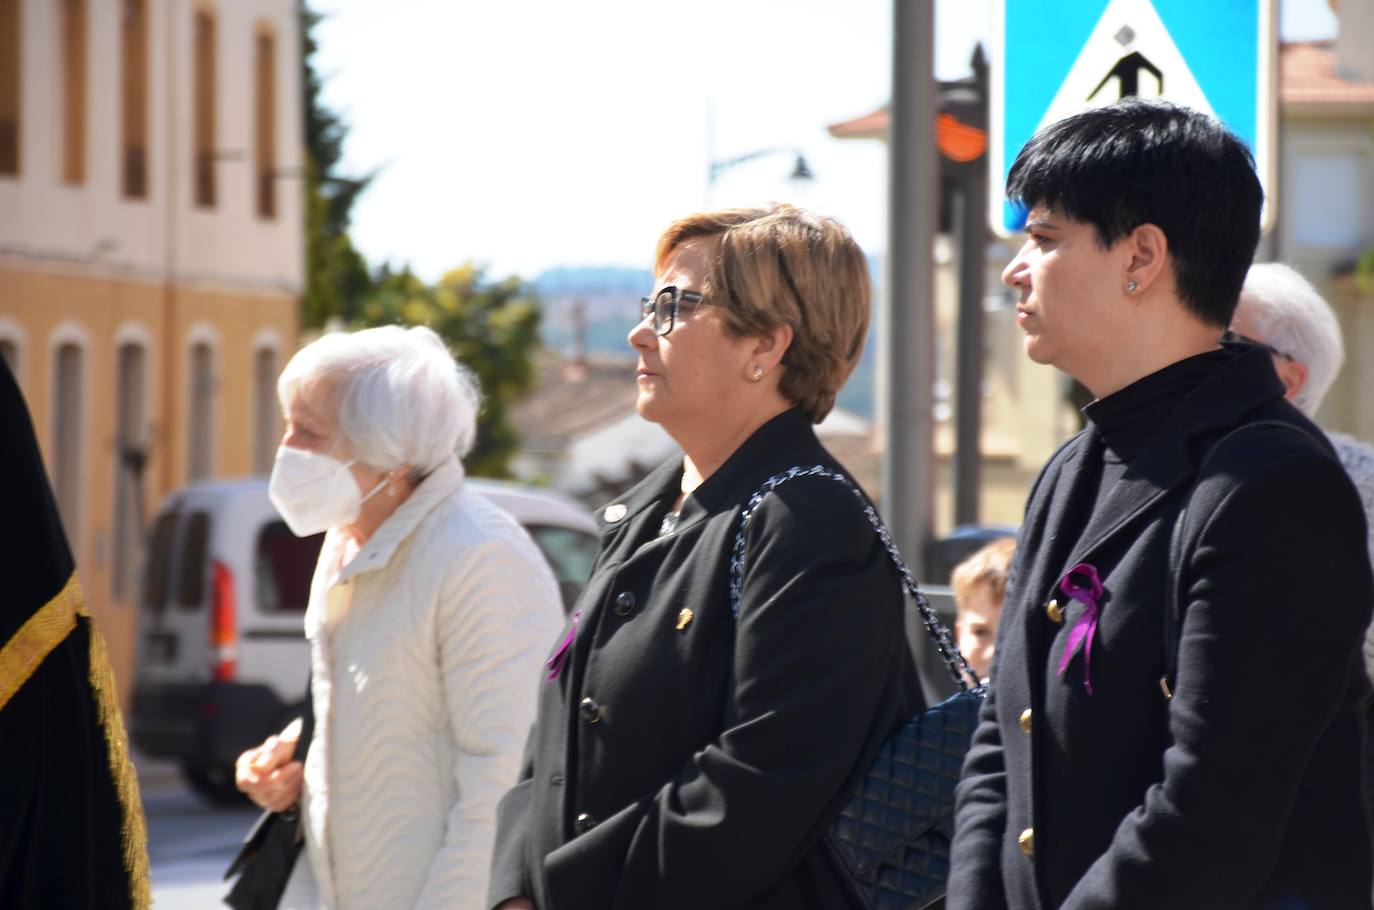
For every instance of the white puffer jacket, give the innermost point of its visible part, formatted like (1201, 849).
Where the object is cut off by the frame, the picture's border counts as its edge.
(425, 655)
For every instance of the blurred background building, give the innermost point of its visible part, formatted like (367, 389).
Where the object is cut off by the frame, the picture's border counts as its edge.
(1326, 187)
(150, 249)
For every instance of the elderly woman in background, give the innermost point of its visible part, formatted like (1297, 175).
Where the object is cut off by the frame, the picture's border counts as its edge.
(683, 757)
(428, 614)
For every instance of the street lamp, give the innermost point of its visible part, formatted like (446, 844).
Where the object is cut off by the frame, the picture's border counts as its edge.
(801, 171)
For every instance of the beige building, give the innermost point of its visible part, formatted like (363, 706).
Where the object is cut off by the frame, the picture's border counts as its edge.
(151, 254)
(1325, 214)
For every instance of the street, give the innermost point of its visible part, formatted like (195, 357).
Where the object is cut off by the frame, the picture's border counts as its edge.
(190, 843)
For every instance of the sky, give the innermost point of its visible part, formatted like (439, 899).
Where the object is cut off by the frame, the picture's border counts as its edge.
(528, 134)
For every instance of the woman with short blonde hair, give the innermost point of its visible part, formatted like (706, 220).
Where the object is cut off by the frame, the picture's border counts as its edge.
(698, 733)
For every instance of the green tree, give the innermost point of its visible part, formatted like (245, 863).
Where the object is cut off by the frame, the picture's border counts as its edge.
(1364, 271)
(492, 328)
(337, 279)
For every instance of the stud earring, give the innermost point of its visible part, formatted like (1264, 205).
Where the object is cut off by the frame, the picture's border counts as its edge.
(758, 373)
(1131, 285)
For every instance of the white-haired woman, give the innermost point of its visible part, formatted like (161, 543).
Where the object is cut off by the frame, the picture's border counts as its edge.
(428, 616)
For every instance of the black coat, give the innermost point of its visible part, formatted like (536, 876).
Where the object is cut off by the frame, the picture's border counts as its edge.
(697, 764)
(1243, 791)
(72, 833)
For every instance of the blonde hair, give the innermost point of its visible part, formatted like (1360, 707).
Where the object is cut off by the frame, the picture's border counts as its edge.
(776, 265)
(990, 565)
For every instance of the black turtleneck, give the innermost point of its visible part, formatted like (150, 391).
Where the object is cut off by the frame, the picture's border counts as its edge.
(1125, 421)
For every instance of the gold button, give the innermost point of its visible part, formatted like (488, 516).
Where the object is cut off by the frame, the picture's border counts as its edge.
(1027, 841)
(1025, 720)
(1054, 611)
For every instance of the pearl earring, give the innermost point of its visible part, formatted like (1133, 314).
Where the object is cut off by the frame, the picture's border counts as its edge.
(758, 373)
(1131, 285)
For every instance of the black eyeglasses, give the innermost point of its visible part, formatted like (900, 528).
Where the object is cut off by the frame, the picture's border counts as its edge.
(1237, 337)
(666, 305)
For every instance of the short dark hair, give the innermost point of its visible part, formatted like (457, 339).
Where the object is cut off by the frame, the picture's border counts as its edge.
(1152, 162)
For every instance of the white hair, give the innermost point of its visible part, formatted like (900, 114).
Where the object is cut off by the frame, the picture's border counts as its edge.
(401, 398)
(1290, 316)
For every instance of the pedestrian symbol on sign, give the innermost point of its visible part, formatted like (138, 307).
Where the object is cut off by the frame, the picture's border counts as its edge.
(1127, 71)
(1053, 58)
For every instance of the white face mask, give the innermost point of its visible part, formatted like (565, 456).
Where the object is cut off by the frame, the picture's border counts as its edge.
(314, 492)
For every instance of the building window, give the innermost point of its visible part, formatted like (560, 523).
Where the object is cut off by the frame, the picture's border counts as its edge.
(68, 379)
(205, 94)
(265, 133)
(73, 91)
(266, 428)
(9, 351)
(134, 98)
(1326, 209)
(201, 422)
(10, 68)
(130, 457)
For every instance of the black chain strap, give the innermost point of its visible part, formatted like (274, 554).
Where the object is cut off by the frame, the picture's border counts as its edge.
(955, 663)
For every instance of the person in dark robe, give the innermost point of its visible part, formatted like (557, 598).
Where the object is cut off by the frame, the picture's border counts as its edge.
(72, 833)
(1175, 712)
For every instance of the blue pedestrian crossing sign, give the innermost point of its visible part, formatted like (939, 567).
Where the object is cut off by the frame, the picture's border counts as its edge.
(1053, 58)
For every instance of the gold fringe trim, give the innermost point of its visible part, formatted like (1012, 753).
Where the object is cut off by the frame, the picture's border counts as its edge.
(47, 628)
(135, 836)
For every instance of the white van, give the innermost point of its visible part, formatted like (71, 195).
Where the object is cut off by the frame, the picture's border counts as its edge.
(222, 660)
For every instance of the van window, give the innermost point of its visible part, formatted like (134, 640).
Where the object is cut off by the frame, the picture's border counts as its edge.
(570, 553)
(159, 563)
(283, 567)
(191, 567)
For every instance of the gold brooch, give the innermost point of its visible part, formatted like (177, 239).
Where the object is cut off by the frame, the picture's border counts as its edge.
(684, 618)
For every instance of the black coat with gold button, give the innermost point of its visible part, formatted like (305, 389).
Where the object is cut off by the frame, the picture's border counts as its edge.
(685, 759)
(1243, 791)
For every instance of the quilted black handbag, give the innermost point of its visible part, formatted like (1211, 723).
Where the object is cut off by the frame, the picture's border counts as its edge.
(893, 836)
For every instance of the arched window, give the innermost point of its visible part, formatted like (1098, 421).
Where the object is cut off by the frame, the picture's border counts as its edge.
(200, 425)
(9, 351)
(203, 167)
(73, 58)
(266, 424)
(131, 441)
(133, 81)
(11, 65)
(265, 132)
(69, 368)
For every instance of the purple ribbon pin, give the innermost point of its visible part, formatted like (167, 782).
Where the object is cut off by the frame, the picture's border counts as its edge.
(560, 657)
(1082, 633)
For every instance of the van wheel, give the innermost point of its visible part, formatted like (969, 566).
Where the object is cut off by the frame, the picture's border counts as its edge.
(214, 784)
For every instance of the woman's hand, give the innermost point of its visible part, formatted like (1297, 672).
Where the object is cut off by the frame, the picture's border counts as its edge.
(516, 903)
(268, 775)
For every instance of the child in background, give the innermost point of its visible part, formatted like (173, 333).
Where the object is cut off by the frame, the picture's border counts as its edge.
(979, 584)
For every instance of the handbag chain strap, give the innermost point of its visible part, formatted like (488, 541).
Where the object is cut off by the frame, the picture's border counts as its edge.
(954, 662)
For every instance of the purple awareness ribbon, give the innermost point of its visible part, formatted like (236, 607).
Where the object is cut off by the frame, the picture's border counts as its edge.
(1083, 630)
(560, 657)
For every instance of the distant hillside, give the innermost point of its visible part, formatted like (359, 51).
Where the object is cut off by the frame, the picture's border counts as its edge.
(594, 279)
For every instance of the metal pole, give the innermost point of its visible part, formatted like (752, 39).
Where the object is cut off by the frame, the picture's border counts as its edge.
(909, 450)
(968, 415)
